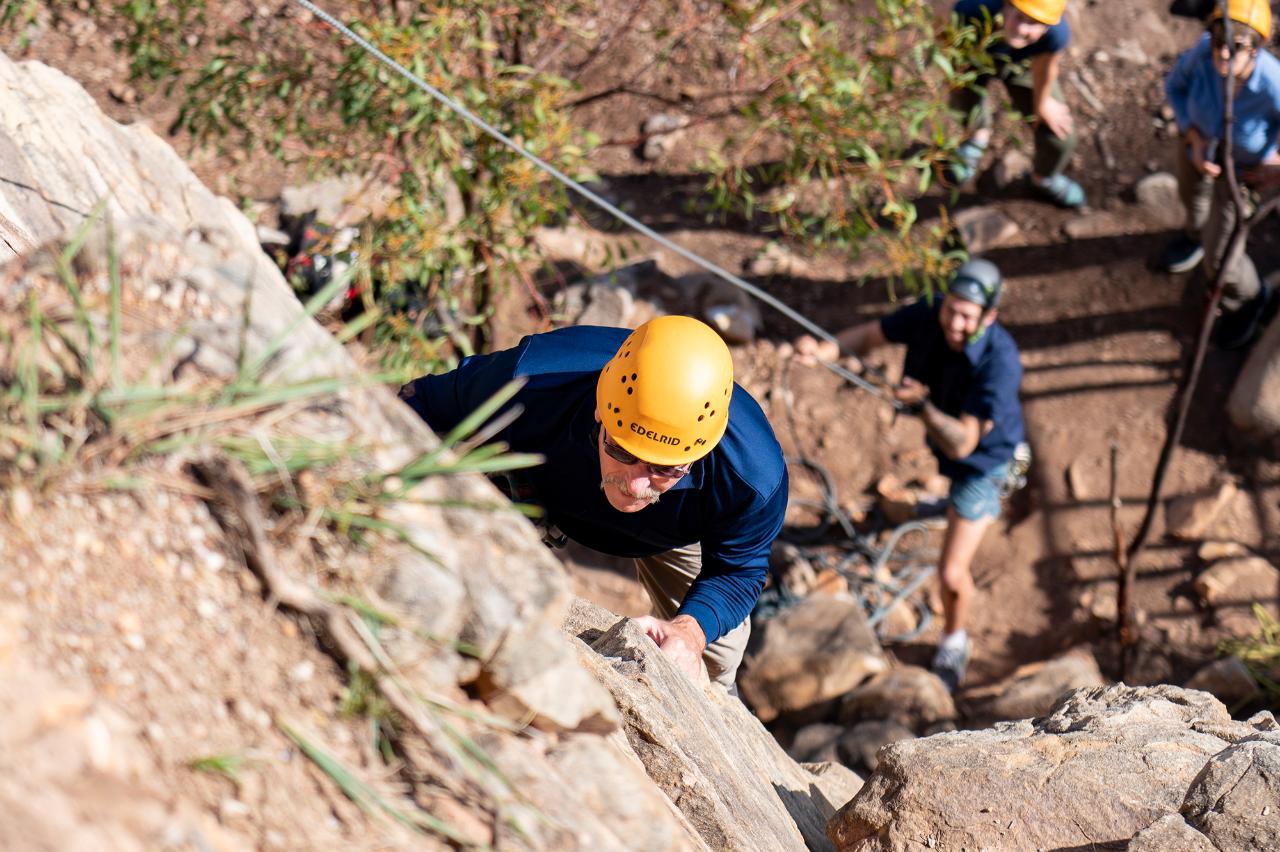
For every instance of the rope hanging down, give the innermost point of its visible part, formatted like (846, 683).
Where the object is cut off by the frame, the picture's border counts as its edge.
(601, 202)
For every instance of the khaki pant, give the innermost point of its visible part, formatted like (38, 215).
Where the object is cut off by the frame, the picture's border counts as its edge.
(1210, 217)
(666, 578)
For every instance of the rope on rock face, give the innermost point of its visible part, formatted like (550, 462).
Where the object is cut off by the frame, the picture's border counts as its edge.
(610, 208)
(859, 559)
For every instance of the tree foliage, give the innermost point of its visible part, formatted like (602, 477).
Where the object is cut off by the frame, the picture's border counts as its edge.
(839, 110)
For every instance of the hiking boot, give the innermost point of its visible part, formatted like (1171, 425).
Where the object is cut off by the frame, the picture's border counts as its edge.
(965, 165)
(1061, 190)
(950, 660)
(1182, 254)
(1237, 329)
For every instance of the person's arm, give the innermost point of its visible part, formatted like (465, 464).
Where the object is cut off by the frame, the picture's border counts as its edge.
(956, 437)
(1056, 115)
(735, 562)
(444, 400)
(856, 340)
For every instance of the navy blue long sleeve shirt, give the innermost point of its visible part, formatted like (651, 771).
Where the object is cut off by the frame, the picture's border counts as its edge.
(982, 380)
(732, 501)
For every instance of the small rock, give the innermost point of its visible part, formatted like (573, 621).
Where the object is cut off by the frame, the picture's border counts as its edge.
(1092, 225)
(1157, 195)
(20, 504)
(777, 260)
(816, 743)
(859, 745)
(1011, 168)
(1227, 679)
(123, 92)
(1101, 601)
(1167, 113)
(1190, 516)
(206, 608)
(129, 622)
(1239, 580)
(984, 228)
(1130, 51)
(662, 132)
(1033, 689)
(1082, 478)
(1212, 551)
(1101, 57)
(302, 672)
(911, 695)
(232, 809)
(726, 308)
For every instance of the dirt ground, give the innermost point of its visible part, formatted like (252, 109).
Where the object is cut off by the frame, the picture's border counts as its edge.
(1103, 337)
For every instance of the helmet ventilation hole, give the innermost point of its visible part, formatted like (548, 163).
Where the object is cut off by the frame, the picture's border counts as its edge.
(712, 414)
(699, 418)
(706, 405)
(633, 377)
(630, 391)
(687, 449)
(619, 424)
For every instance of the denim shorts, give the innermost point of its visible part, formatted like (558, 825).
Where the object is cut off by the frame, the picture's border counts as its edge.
(978, 495)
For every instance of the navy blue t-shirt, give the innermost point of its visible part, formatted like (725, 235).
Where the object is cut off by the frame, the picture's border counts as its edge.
(1055, 39)
(982, 380)
(732, 500)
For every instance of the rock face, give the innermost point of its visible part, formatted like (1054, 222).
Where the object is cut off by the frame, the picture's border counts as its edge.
(1106, 764)
(517, 727)
(812, 652)
(712, 758)
(1235, 800)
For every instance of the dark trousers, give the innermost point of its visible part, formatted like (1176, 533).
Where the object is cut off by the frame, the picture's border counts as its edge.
(1051, 153)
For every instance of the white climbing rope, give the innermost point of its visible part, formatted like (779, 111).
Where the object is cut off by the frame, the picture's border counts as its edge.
(601, 202)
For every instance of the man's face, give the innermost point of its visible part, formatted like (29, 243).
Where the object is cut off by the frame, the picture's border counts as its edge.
(1244, 50)
(1021, 31)
(629, 487)
(961, 320)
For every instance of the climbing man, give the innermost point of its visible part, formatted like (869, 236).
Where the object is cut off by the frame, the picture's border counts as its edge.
(1194, 88)
(651, 452)
(1027, 54)
(961, 377)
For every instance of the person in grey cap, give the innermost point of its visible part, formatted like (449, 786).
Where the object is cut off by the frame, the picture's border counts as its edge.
(961, 377)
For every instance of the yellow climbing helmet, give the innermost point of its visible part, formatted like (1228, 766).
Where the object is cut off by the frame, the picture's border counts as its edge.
(664, 396)
(1045, 11)
(1251, 13)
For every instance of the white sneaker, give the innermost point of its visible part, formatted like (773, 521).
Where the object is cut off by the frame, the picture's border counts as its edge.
(950, 660)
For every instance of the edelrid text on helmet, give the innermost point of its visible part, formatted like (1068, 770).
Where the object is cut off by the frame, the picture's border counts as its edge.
(664, 396)
(1255, 14)
(1044, 11)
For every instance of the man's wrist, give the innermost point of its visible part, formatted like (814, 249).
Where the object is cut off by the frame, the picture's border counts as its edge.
(690, 625)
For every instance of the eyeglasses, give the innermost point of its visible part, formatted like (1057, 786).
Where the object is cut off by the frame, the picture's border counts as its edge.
(618, 454)
(1218, 40)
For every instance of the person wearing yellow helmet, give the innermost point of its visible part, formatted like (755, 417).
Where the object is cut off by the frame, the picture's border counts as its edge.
(1027, 52)
(651, 452)
(1194, 88)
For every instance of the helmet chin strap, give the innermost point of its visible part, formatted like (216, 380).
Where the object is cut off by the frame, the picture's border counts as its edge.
(977, 335)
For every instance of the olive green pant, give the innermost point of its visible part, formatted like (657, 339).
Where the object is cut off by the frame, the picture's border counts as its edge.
(1210, 217)
(666, 578)
(1051, 153)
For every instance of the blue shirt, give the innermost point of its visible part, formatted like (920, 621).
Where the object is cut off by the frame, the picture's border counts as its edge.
(1055, 39)
(731, 501)
(982, 380)
(1194, 90)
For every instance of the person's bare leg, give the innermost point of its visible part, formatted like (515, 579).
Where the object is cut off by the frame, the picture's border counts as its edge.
(958, 549)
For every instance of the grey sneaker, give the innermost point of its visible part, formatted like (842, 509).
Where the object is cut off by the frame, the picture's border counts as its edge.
(949, 664)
